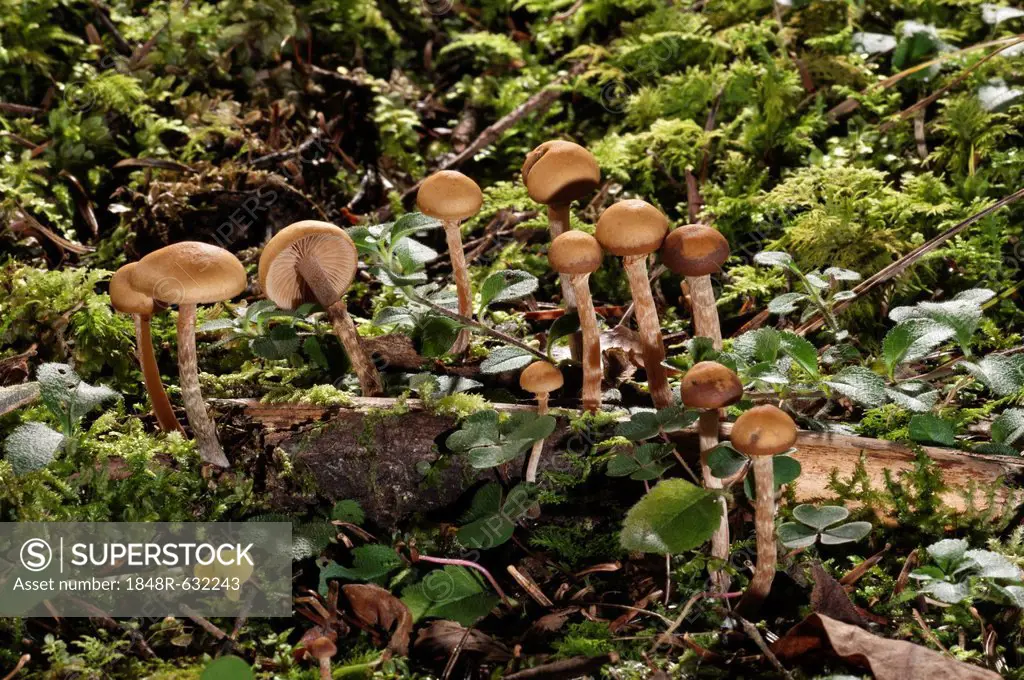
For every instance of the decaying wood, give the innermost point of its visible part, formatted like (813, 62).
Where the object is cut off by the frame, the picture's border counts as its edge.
(356, 452)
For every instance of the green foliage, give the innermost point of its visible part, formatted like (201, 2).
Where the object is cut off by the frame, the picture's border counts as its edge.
(957, 574)
(454, 593)
(673, 517)
(821, 523)
(491, 519)
(491, 439)
(578, 543)
(587, 638)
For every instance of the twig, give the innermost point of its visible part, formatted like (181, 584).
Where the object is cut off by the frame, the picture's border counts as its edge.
(484, 328)
(122, 44)
(530, 586)
(928, 632)
(566, 668)
(278, 156)
(854, 575)
(469, 565)
(755, 635)
(25, 658)
(686, 612)
(20, 109)
(454, 658)
(203, 623)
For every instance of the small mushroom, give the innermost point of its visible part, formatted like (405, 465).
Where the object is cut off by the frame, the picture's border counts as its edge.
(187, 274)
(125, 299)
(576, 255)
(322, 649)
(633, 229)
(761, 433)
(710, 386)
(696, 251)
(541, 379)
(557, 173)
(312, 261)
(452, 197)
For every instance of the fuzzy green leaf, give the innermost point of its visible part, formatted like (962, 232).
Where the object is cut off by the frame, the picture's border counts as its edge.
(454, 593)
(930, 429)
(673, 517)
(370, 563)
(32, 447)
(820, 517)
(859, 384)
(507, 358)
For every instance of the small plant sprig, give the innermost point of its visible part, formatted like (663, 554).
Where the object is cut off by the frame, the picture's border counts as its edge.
(958, 574)
(821, 524)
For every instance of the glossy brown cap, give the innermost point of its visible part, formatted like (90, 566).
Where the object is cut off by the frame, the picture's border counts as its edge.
(124, 298)
(449, 195)
(560, 172)
(710, 385)
(189, 272)
(695, 250)
(322, 648)
(279, 264)
(631, 227)
(763, 431)
(575, 252)
(540, 377)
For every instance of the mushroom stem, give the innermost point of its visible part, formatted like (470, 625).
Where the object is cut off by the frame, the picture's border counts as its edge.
(705, 311)
(151, 376)
(764, 524)
(317, 280)
(592, 372)
(199, 419)
(707, 430)
(650, 330)
(458, 258)
(558, 224)
(534, 461)
(325, 668)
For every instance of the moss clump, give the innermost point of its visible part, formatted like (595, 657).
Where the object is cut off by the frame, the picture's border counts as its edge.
(318, 395)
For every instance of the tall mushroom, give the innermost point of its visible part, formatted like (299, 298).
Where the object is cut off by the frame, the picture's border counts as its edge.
(576, 255)
(633, 229)
(540, 379)
(312, 261)
(452, 197)
(125, 299)
(187, 274)
(557, 173)
(696, 251)
(763, 432)
(710, 386)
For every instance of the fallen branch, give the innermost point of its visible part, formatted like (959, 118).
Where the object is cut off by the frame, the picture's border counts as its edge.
(566, 668)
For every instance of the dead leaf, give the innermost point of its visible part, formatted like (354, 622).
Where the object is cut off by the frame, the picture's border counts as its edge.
(887, 659)
(830, 598)
(375, 607)
(394, 350)
(440, 639)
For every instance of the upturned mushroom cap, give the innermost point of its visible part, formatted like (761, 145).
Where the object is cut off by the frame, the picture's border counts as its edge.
(710, 385)
(279, 264)
(763, 431)
(189, 272)
(695, 250)
(560, 172)
(124, 298)
(449, 195)
(631, 227)
(575, 252)
(540, 377)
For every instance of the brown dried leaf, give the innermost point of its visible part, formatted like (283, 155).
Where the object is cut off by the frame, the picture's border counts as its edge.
(830, 598)
(375, 607)
(887, 659)
(440, 639)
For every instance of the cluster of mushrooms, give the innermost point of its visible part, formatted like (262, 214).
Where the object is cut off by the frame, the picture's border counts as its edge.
(313, 261)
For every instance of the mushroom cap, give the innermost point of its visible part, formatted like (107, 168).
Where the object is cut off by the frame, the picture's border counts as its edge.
(695, 250)
(575, 252)
(279, 264)
(322, 647)
(710, 385)
(559, 172)
(189, 272)
(540, 377)
(449, 195)
(763, 431)
(631, 227)
(124, 298)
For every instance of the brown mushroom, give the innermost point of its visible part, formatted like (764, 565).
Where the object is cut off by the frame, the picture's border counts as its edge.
(452, 197)
(557, 173)
(710, 386)
(312, 261)
(187, 274)
(696, 251)
(634, 229)
(576, 255)
(761, 433)
(125, 299)
(541, 379)
(322, 649)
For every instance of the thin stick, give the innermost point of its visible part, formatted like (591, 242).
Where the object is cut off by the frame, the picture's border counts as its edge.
(928, 632)
(469, 565)
(755, 635)
(530, 586)
(483, 328)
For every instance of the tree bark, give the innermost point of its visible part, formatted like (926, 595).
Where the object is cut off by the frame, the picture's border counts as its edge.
(462, 288)
(592, 372)
(203, 427)
(151, 375)
(649, 327)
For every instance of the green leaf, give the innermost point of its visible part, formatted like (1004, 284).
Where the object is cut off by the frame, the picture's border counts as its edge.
(859, 384)
(725, 461)
(506, 285)
(930, 429)
(311, 346)
(409, 224)
(506, 358)
(480, 429)
(801, 351)
(370, 563)
(840, 274)
(820, 517)
(640, 426)
(491, 519)
(702, 349)
(641, 464)
(436, 334)
(675, 418)
(873, 43)
(1001, 374)
(845, 533)
(948, 550)
(786, 303)
(227, 668)
(413, 255)
(349, 511)
(280, 343)
(773, 258)
(32, 447)
(394, 316)
(759, 346)
(564, 326)
(988, 564)
(786, 470)
(912, 340)
(1008, 428)
(673, 517)
(796, 535)
(533, 427)
(454, 593)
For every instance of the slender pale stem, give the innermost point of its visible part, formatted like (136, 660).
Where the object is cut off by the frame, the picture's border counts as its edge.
(558, 223)
(317, 280)
(199, 419)
(538, 447)
(650, 330)
(458, 258)
(592, 372)
(470, 565)
(325, 668)
(151, 376)
(705, 311)
(764, 524)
